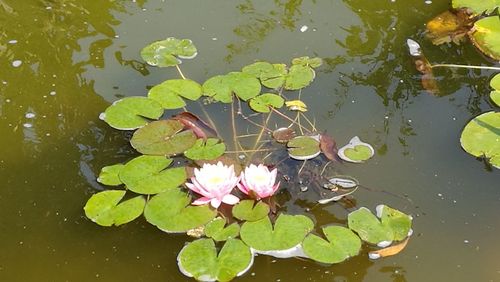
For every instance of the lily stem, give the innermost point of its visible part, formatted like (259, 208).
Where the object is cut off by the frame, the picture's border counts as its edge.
(464, 67)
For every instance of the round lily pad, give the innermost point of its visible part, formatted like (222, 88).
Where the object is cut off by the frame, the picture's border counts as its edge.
(148, 175)
(170, 93)
(171, 212)
(262, 102)
(303, 148)
(270, 75)
(222, 87)
(340, 245)
(131, 113)
(199, 259)
(103, 208)
(481, 137)
(308, 62)
(356, 151)
(217, 230)
(398, 222)
(163, 138)
(486, 36)
(109, 175)
(477, 6)
(166, 53)
(298, 77)
(495, 97)
(495, 82)
(209, 149)
(250, 210)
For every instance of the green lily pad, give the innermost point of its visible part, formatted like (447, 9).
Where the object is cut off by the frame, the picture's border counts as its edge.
(131, 113)
(486, 36)
(477, 6)
(481, 137)
(270, 75)
(109, 175)
(171, 212)
(262, 102)
(168, 52)
(495, 97)
(147, 175)
(298, 77)
(308, 62)
(282, 240)
(222, 87)
(356, 151)
(209, 149)
(341, 244)
(215, 229)
(163, 138)
(170, 93)
(250, 211)
(303, 148)
(103, 208)
(495, 82)
(199, 259)
(398, 222)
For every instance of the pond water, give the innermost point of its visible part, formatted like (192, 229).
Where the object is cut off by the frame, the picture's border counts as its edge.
(63, 62)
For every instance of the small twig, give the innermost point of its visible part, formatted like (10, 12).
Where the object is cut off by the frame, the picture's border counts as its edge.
(247, 135)
(324, 168)
(301, 167)
(309, 121)
(257, 140)
(289, 119)
(250, 151)
(464, 67)
(180, 72)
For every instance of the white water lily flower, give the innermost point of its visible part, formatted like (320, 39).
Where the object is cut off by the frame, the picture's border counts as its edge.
(215, 183)
(258, 181)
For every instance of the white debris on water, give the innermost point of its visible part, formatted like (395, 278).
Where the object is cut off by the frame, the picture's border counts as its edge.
(304, 28)
(17, 63)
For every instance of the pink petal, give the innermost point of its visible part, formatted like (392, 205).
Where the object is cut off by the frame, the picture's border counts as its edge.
(215, 202)
(230, 199)
(242, 188)
(201, 201)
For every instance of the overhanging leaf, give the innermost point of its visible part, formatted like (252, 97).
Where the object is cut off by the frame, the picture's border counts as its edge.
(303, 148)
(170, 93)
(249, 210)
(217, 230)
(109, 175)
(341, 244)
(262, 102)
(209, 149)
(171, 212)
(131, 113)
(166, 53)
(222, 87)
(163, 137)
(103, 208)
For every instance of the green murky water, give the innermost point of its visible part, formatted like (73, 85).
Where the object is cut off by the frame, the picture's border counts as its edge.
(62, 63)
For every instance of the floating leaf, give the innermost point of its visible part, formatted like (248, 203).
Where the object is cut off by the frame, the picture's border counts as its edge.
(200, 128)
(341, 244)
(477, 6)
(209, 149)
(222, 87)
(339, 187)
(298, 77)
(495, 97)
(109, 175)
(147, 175)
(481, 137)
(166, 53)
(169, 93)
(283, 134)
(171, 212)
(308, 62)
(389, 251)
(296, 105)
(303, 148)
(103, 208)
(449, 27)
(131, 113)
(398, 222)
(270, 75)
(262, 102)
(356, 151)
(328, 146)
(199, 259)
(163, 137)
(495, 82)
(486, 36)
(282, 240)
(215, 229)
(249, 210)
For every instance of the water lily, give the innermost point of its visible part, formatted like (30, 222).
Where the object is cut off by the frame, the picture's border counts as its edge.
(215, 183)
(258, 181)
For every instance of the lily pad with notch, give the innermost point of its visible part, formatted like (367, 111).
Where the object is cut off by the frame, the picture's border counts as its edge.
(262, 103)
(270, 75)
(170, 93)
(308, 62)
(217, 230)
(109, 175)
(356, 151)
(298, 77)
(131, 112)
(340, 244)
(209, 149)
(250, 210)
(304, 147)
(104, 208)
(222, 87)
(168, 52)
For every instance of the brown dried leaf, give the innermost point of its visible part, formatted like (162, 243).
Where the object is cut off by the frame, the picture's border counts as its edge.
(449, 27)
(328, 147)
(200, 128)
(283, 134)
(389, 251)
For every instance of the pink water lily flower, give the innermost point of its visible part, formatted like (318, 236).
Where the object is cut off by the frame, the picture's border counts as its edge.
(215, 183)
(258, 181)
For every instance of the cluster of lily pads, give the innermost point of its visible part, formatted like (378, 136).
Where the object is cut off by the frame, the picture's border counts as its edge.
(233, 215)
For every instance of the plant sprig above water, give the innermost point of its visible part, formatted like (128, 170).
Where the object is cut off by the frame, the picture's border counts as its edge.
(210, 174)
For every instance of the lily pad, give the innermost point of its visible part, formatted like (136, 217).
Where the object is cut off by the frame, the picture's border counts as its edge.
(399, 222)
(215, 229)
(168, 52)
(199, 259)
(486, 36)
(356, 151)
(209, 149)
(148, 175)
(170, 93)
(270, 75)
(340, 245)
(249, 210)
(481, 137)
(308, 62)
(222, 87)
(298, 77)
(103, 208)
(163, 138)
(171, 212)
(495, 97)
(131, 113)
(495, 82)
(303, 148)
(262, 102)
(477, 6)
(280, 240)
(110, 175)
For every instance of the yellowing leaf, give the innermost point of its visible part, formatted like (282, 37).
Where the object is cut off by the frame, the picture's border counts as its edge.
(296, 105)
(389, 251)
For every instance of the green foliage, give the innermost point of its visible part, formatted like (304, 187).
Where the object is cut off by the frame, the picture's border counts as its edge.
(397, 221)
(341, 244)
(495, 94)
(477, 6)
(103, 208)
(215, 229)
(222, 87)
(303, 148)
(495, 97)
(131, 113)
(170, 93)
(199, 259)
(262, 102)
(270, 75)
(209, 149)
(486, 36)
(163, 138)
(356, 151)
(110, 175)
(166, 53)
(250, 210)
(308, 62)
(298, 77)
